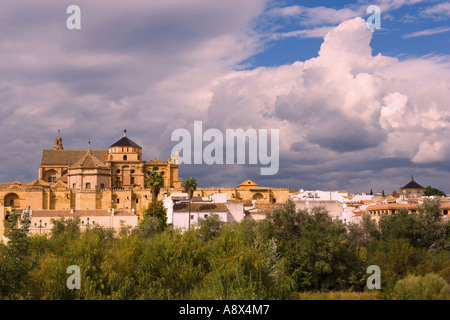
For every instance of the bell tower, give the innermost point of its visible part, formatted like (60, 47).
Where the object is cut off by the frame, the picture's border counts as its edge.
(58, 142)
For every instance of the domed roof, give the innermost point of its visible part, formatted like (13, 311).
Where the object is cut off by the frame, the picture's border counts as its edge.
(125, 142)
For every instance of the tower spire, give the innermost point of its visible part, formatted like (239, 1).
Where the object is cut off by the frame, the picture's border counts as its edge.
(125, 132)
(58, 142)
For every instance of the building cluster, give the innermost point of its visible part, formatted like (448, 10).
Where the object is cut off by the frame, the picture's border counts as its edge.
(108, 188)
(350, 208)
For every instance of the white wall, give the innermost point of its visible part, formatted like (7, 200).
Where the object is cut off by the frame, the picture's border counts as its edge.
(181, 219)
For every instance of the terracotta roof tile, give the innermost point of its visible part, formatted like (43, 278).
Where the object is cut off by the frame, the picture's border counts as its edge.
(68, 157)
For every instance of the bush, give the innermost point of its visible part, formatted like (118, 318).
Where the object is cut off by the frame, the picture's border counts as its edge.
(428, 287)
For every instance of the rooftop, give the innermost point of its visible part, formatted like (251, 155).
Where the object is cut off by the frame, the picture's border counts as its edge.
(125, 142)
(413, 185)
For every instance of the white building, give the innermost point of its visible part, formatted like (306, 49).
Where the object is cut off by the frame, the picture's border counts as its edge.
(42, 220)
(319, 195)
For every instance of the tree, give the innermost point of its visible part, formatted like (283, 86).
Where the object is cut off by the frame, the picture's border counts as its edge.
(430, 191)
(160, 213)
(209, 227)
(155, 181)
(431, 230)
(371, 192)
(15, 257)
(190, 185)
(383, 194)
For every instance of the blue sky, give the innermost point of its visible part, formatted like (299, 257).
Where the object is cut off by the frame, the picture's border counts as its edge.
(356, 109)
(398, 36)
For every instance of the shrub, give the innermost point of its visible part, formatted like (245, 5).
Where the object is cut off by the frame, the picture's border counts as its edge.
(428, 287)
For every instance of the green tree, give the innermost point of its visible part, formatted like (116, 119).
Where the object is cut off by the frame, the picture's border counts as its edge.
(155, 181)
(209, 227)
(190, 185)
(159, 212)
(15, 257)
(401, 225)
(430, 191)
(359, 234)
(431, 229)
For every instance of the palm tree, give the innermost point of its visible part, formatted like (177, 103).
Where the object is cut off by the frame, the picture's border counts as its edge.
(154, 181)
(190, 185)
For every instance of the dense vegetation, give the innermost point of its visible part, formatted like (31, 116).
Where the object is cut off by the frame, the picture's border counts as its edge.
(291, 251)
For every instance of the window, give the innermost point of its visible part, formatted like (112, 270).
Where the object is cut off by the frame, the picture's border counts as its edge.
(102, 186)
(445, 212)
(88, 185)
(132, 180)
(118, 171)
(124, 157)
(132, 171)
(118, 200)
(137, 200)
(155, 169)
(192, 217)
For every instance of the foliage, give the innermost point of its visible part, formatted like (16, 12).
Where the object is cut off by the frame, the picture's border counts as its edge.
(159, 212)
(190, 185)
(154, 181)
(290, 251)
(430, 191)
(428, 287)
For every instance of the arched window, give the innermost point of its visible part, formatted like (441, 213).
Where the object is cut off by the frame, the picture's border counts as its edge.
(102, 186)
(11, 200)
(50, 176)
(124, 157)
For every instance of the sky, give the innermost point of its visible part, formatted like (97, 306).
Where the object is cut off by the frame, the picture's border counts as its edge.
(356, 108)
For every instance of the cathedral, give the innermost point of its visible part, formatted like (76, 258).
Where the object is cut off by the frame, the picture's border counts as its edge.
(121, 166)
(107, 186)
